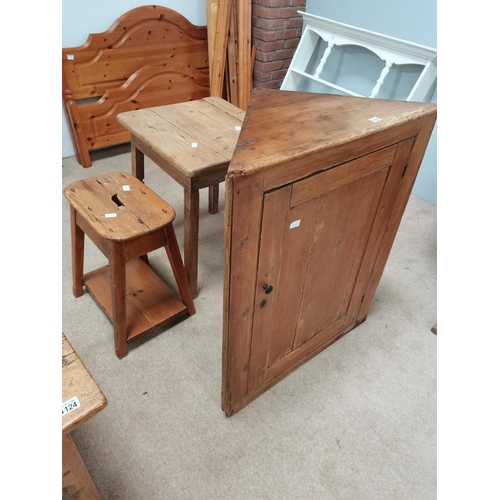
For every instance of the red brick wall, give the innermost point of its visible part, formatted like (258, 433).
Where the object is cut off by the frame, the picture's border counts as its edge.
(276, 30)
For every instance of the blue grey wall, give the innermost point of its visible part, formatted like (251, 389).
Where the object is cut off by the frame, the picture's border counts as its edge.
(415, 21)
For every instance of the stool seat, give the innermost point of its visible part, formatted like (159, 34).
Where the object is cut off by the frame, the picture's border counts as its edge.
(126, 220)
(118, 206)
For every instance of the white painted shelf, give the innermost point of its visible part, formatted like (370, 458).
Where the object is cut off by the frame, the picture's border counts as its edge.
(338, 58)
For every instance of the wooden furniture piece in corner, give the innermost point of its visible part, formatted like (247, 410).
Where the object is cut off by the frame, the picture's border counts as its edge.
(219, 53)
(81, 400)
(231, 54)
(315, 193)
(245, 65)
(193, 143)
(337, 58)
(150, 56)
(212, 12)
(126, 220)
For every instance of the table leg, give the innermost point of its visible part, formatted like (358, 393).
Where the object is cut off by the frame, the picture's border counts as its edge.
(137, 162)
(77, 249)
(191, 227)
(175, 258)
(213, 198)
(118, 290)
(76, 480)
(138, 171)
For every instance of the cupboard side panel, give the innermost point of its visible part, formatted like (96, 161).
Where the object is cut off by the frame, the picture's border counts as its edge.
(402, 197)
(244, 231)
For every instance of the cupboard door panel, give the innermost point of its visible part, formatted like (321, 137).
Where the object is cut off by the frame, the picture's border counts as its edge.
(314, 237)
(294, 259)
(341, 234)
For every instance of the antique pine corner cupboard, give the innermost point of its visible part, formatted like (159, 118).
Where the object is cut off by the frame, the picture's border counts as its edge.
(315, 193)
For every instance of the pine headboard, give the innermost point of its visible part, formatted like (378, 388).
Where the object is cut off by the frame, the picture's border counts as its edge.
(150, 56)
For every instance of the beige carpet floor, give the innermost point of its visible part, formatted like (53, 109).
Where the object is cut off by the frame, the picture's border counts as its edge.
(357, 422)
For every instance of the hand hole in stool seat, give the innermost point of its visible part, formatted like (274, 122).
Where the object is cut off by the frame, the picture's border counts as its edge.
(117, 201)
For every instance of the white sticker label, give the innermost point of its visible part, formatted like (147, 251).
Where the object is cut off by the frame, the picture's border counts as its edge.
(126, 188)
(71, 57)
(295, 223)
(194, 144)
(375, 119)
(70, 405)
(237, 128)
(109, 215)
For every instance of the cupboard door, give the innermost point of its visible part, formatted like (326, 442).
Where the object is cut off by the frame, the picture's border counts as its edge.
(319, 241)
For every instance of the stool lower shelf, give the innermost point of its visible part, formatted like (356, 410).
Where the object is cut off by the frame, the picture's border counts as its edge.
(150, 303)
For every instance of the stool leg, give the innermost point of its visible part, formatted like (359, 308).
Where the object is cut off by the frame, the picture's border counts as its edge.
(77, 250)
(174, 256)
(213, 199)
(118, 291)
(191, 226)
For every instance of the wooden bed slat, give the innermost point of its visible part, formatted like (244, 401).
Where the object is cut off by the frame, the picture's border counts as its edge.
(244, 52)
(220, 48)
(212, 9)
(232, 55)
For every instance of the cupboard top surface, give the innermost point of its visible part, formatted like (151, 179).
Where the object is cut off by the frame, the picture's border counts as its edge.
(282, 126)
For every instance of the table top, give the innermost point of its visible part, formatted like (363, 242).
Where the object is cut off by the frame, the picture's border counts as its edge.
(77, 384)
(191, 137)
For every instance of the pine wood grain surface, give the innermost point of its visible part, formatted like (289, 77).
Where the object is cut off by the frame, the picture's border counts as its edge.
(170, 131)
(77, 381)
(138, 211)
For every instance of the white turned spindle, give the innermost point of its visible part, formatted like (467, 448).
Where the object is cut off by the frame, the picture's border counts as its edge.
(381, 79)
(319, 69)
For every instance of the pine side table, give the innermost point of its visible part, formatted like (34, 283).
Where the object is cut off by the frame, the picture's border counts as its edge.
(193, 142)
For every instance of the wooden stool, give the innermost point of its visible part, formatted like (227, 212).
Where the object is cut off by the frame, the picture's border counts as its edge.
(126, 220)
